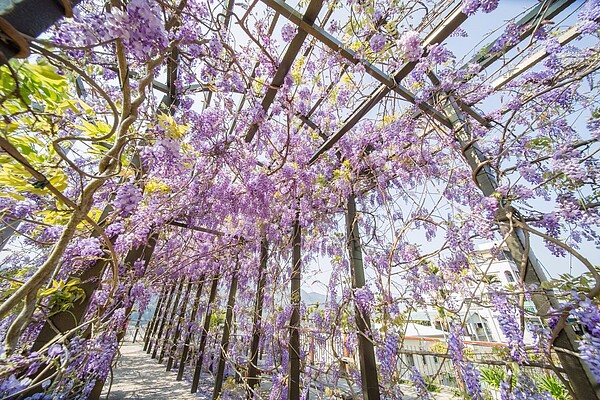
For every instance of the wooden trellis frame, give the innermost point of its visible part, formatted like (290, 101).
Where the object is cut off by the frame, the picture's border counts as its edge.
(454, 117)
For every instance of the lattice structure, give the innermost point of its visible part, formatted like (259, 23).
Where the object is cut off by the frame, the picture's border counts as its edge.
(217, 157)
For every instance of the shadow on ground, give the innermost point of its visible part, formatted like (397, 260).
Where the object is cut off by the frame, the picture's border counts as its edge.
(137, 376)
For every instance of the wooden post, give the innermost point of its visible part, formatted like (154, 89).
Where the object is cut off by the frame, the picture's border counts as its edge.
(155, 317)
(294, 345)
(204, 334)
(366, 353)
(161, 317)
(65, 321)
(188, 336)
(225, 338)
(163, 322)
(252, 374)
(137, 326)
(583, 382)
(182, 310)
(165, 341)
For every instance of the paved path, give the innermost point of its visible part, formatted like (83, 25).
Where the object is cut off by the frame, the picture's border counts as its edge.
(137, 376)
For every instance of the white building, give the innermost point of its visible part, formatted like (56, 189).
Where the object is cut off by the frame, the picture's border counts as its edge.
(482, 324)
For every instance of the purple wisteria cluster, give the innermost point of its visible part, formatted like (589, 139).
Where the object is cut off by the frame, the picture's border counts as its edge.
(82, 253)
(364, 299)
(23, 208)
(525, 389)
(139, 26)
(210, 194)
(288, 32)
(126, 200)
(419, 383)
(410, 46)
(587, 313)
(469, 373)
(377, 42)
(508, 314)
(387, 354)
(143, 32)
(589, 17)
(470, 7)
(164, 157)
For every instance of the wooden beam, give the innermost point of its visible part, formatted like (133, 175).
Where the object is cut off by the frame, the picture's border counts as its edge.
(584, 383)
(294, 345)
(388, 83)
(366, 352)
(291, 53)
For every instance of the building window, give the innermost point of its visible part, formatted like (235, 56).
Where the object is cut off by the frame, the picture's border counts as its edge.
(509, 276)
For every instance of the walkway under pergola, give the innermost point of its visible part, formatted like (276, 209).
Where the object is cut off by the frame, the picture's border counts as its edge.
(211, 179)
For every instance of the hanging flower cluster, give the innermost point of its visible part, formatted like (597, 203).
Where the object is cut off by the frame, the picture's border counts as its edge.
(177, 131)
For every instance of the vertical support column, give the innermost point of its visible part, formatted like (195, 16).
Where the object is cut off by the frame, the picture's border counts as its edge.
(172, 316)
(251, 378)
(163, 322)
(137, 326)
(204, 334)
(294, 346)
(182, 310)
(155, 317)
(161, 317)
(188, 335)
(225, 338)
(366, 353)
(583, 382)
(64, 321)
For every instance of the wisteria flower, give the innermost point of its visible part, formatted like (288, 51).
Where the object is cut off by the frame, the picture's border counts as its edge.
(410, 45)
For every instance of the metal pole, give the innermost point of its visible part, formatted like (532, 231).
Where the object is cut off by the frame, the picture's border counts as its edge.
(161, 317)
(366, 353)
(9, 227)
(137, 326)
